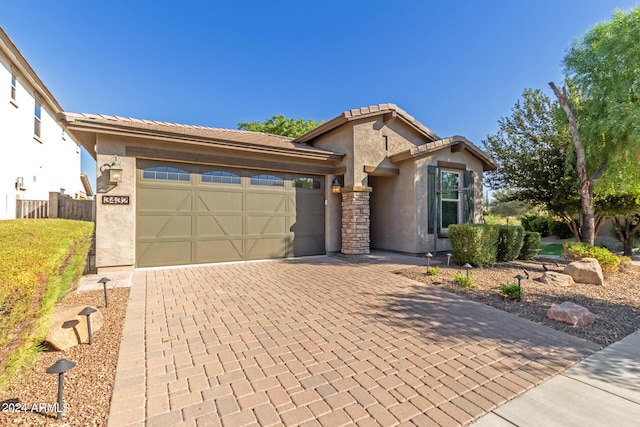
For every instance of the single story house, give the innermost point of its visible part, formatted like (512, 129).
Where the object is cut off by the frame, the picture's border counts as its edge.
(373, 177)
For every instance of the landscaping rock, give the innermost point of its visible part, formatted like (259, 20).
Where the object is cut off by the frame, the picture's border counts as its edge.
(556, 279)
(68, 328)
(586, 270)
(571, 314)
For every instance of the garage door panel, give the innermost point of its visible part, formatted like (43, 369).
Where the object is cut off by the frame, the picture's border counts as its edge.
(219, 225)
(219, 250)
(220, 201)
(259, 202)
(227, 215)
(159, 226)
(264, 248)
(263, 224)
(165, 253)
(154, 199)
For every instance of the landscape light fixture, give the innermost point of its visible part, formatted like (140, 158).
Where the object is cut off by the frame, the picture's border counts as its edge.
(60, 367)
(104, 281)
(449, 258)
(467, 267)
(519, 277)
(429, 255)
(88, 311)
(335, 186)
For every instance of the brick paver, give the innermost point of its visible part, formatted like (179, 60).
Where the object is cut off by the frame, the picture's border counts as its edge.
(321, 340)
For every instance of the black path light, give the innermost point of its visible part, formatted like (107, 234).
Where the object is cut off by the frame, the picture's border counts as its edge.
(88, 311)
(526, 272)
(104, 281)
(519, 277)
(467, 267)
(429, 255)
(449, 258)
(60, 367)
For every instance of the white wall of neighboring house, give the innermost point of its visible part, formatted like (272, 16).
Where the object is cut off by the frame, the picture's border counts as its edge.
(48, 163)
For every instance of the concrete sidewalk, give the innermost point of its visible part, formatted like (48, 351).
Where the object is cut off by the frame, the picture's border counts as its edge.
(602, 390)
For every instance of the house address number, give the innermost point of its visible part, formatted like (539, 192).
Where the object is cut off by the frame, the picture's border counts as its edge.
(115, 200)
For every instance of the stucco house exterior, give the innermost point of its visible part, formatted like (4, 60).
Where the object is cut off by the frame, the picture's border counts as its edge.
(371, 178)
(37, 154)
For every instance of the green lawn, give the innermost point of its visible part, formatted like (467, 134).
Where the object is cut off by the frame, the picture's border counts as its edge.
(550, 249)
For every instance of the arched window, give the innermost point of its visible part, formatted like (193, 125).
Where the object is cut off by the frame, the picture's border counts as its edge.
(167, 173)
(267, 180)
(220, 177)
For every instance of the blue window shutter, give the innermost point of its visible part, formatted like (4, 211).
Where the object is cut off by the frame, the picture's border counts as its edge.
(468, 197)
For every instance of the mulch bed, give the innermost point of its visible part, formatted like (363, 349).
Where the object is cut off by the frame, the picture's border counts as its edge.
(616, 304)
(28, 399)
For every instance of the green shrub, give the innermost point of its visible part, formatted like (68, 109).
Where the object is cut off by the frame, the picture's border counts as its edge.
(577, 250)
(510, 240)
(560, 229)
(511, 291)
(536, 223)
(433, 271)
(475, 244)
(530, 245)
(463, 280)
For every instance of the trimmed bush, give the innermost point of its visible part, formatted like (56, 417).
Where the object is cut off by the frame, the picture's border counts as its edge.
(560, 229)
(530, 245)
(536, 223)
(474, 244)
(510, 240)
(577, 250)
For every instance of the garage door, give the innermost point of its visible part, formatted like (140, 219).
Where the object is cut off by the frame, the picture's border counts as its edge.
(190, 214)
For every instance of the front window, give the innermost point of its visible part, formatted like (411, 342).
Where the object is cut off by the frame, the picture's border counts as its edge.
(165, 173)
(37, 119)
(449, 200)
(220, 177)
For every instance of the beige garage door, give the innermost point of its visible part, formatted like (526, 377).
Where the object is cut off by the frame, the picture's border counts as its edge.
(190, 214)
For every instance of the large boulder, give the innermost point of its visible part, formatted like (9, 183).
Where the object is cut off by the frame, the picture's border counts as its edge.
(571, 314)
(586, 270)
(556, 279)
(67, 328)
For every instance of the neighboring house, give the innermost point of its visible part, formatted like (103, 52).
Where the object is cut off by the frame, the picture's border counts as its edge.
(37, 155)
(171, 194)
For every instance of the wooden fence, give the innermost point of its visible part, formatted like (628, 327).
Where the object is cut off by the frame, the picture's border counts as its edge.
(32, 209)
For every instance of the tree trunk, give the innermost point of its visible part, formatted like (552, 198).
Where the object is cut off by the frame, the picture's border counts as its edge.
(626, 232)
(586, 185)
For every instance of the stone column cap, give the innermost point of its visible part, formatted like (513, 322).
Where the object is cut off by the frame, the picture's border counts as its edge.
(356, 189)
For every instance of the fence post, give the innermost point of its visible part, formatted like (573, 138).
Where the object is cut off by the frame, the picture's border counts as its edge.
(53, 204)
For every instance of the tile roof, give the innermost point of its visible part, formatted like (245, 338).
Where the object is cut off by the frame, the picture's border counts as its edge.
(182, 131)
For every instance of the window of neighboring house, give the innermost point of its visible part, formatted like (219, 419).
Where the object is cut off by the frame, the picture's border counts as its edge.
(166, 173)
(449, 200)
(268, 180)
(220, 177)
(13, 86)
(37, 119)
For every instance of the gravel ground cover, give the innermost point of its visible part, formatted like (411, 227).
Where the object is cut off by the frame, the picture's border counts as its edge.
(28, 400)
(616, 304)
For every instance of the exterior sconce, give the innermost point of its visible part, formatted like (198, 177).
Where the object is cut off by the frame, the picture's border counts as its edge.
(115, 171)
(20, 184)
(335, 186)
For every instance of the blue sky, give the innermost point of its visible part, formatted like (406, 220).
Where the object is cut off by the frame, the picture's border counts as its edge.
(456, 66)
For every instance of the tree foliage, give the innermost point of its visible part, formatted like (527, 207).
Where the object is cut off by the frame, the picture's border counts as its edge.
(281, 125)
(531, 148)
(603, 70)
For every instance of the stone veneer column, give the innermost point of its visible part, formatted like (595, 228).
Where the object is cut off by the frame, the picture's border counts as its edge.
(355, 220)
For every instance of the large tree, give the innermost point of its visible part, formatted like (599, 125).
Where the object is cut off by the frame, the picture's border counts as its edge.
(603, 108)
(531, 148)
(281, 125)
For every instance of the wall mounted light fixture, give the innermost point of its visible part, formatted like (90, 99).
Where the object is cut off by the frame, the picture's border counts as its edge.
(20, 184)
(335, 186)
(114, 169)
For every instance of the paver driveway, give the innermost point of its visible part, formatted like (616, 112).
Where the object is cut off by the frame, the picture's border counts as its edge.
(320, 341)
